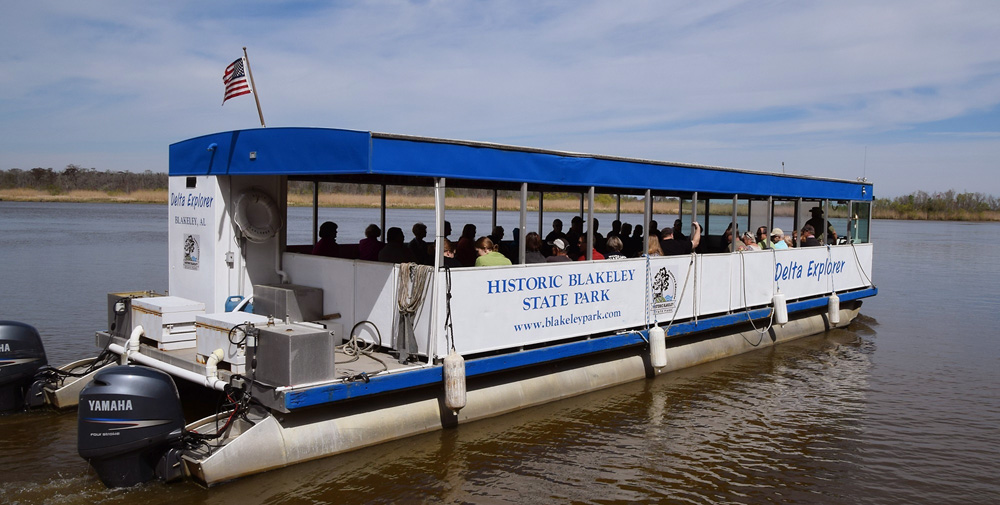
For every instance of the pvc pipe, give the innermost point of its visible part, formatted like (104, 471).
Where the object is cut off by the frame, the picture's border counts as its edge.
(197, 378)
(278, 263)
(132, 346)
(212, 363)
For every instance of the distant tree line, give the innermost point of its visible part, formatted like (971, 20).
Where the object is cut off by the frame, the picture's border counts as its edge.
(943, 205)
(306, 188)
(949, 204)
(74, 177)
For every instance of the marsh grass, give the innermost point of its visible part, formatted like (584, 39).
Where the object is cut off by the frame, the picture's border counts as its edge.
(81, 195)
(629, 206)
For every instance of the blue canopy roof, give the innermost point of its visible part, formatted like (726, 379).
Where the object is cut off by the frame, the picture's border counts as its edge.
(329, 153)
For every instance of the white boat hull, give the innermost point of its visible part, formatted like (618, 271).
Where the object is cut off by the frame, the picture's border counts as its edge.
(275, 442)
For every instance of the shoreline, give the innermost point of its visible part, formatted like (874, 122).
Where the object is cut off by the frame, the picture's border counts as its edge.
(345, 200)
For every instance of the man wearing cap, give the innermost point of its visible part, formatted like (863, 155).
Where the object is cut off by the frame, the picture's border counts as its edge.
(778, 237)
(817, 223)
(558, 252)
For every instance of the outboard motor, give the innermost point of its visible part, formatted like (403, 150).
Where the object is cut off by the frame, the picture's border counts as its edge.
(21, 355)
(128, 418)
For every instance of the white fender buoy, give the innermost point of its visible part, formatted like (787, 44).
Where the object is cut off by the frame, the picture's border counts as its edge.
(780, 309)
(657, 347)
(249, 221)
(454, 381)
(833, 309)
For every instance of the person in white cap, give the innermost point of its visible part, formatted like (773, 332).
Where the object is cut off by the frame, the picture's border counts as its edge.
(558, 252)
(778, 237)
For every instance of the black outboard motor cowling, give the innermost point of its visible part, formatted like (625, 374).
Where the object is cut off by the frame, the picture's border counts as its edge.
(128, 418)
(21, 355)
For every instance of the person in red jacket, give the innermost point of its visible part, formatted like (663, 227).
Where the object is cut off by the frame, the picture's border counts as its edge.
(582, 242)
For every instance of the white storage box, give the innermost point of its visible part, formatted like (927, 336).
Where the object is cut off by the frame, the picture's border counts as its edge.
(167, 320)
(213, 333)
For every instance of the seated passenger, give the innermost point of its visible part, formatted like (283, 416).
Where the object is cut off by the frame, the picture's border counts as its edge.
(778, 239)
(369, 246)
(809, 237)
(625, 234)
(726, 245)
(654, 249)
(817, 224)
(599, 239)
(581, 245)
(327, 244)
(448, 248)
(616, 229)
(573, 237)
(497, 235)
(512, 248)
(614, 246)
(557, 226)
(421, 249)
(395, 249)
(465, 251)
(678, 234)
(672, 246)
(431, 245)
(633, 246)
(762, 240)
(558, 252)
(532, 246)
(748, 243)
(489, 256)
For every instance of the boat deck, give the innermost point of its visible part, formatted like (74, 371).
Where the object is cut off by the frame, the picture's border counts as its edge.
(348, 366)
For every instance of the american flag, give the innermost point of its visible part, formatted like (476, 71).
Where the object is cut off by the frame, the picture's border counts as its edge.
(235, 80)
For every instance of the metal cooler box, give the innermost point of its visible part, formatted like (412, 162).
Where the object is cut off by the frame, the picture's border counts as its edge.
(168, 321)
(290, 354)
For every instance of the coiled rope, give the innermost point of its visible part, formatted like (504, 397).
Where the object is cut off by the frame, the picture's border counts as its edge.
(410, 294)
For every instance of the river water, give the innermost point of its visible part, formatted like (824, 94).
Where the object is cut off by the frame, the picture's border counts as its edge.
(901, 407)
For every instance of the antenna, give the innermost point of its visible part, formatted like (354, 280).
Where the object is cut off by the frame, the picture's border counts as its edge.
(782, 167)
(864, 168)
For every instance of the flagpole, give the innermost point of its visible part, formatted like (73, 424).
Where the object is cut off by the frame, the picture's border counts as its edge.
(254, 86)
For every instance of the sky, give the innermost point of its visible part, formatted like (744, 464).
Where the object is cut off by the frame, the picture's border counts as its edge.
(904, 93)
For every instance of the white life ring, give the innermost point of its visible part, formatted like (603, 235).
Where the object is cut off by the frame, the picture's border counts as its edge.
(250, 223)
